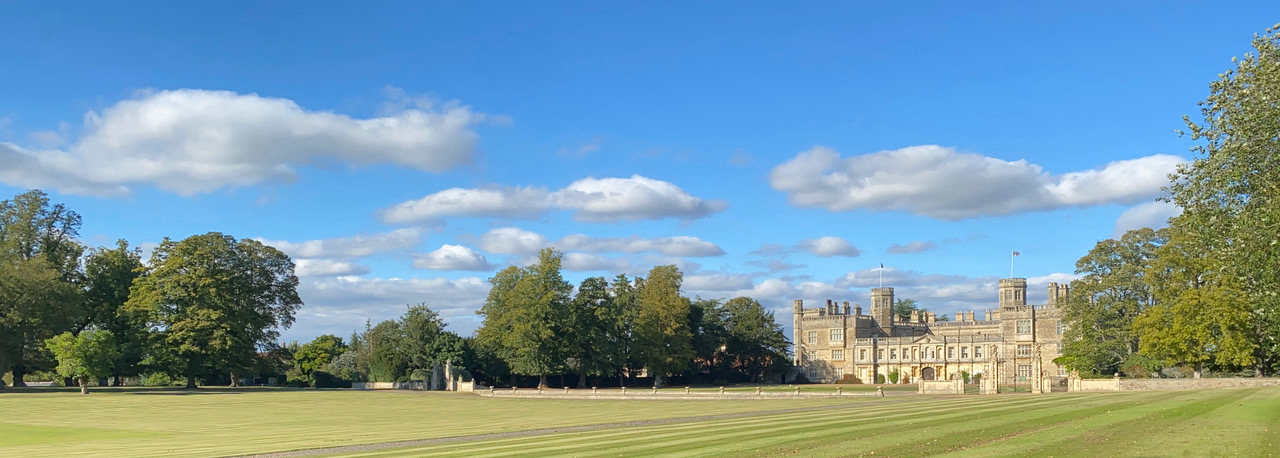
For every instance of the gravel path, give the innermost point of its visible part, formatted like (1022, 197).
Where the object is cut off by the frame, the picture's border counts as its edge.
(532, 432)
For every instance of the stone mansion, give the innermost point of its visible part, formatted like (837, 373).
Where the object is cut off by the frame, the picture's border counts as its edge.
(1014, 342)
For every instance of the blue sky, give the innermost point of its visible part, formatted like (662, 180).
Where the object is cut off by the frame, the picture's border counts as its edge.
(403, 152)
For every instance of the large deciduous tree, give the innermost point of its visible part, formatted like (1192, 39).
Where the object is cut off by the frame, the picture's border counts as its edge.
(1230, 194)
(39, 279)
(1200, 315)
(1104, 302)
(524, 315)
(626, 303)
(214, 300)
(596, 339)
(109, 275)
(85, 357)
(663, 340)
(756, 343)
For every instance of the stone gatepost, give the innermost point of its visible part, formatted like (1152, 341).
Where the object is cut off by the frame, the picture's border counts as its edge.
(1037, 378)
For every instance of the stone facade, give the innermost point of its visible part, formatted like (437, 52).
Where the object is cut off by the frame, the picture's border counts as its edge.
(1013, 343)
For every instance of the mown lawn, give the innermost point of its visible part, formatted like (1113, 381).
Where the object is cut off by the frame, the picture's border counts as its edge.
(211, 422)
(1243, 422)
(1184, 423)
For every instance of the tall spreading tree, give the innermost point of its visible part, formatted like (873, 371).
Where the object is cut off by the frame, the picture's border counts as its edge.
(663, 340)
(1230, 194)
(1199, 316)
(39, 279)
(1104, 302)
(626, 302)
(214, 301)
(524, 314)
(33, 303)
(756, 343)
(595, 338)
(109, 275)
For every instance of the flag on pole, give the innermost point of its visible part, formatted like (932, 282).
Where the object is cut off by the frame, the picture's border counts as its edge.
(1016, 253)
(882, 265)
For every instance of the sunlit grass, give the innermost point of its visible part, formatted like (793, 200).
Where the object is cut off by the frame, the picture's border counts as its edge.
(1244, 422)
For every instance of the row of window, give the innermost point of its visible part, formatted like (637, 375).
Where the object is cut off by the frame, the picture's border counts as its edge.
(1022, 350)
(837, 335)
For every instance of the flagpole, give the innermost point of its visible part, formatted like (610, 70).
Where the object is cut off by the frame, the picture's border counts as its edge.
(1012, 255)
(882, 275)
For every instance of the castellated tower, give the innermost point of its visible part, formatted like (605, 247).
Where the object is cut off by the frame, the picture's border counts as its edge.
(882, 307)
(1058, 293)
(1013, 291)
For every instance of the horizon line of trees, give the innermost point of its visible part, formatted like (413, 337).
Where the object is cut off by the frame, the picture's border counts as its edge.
(208, 309)
(1203, 292)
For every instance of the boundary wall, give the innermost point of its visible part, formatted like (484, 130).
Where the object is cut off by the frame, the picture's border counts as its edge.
(1076, 385)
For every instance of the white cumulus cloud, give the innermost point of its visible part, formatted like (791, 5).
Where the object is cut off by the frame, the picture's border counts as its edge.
(339, 305)
(829, 246)
(192, 141)
(1154, 215)
(513, 240)
(590, 199)
(356, 246)
(943, 183)
(327, 268)
(452, 257)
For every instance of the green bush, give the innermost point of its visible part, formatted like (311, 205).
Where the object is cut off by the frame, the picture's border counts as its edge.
(880, 378)
(849, 379)
(157, 379)
(894, 375)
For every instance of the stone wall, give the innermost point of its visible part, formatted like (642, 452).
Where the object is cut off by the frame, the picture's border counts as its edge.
(1152, 384)
(1158, 384)
(1093, 385)
(941, 386)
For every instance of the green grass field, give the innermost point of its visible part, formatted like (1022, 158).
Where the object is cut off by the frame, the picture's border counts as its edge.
(135, 422)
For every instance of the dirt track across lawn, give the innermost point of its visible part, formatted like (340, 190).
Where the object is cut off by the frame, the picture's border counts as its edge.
(358, 448)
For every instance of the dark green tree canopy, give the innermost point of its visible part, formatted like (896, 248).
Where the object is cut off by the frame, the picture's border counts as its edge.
(214, 300)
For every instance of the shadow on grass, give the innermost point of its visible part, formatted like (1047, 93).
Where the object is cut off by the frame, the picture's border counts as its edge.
(148, 391)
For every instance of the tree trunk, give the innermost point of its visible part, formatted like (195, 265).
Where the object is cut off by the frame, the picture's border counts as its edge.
(84, 385)
(513, 380)
(582, 380)
(191, 378)
(235, 382)
(1199, 369)
(117, 381)
(622, 379)
(657, 381)
(19, 371)
(542, 381)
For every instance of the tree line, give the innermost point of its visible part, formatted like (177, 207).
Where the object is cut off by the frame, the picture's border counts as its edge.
(536, 325)
(1201, 293)
(198, 309)
(208, 309)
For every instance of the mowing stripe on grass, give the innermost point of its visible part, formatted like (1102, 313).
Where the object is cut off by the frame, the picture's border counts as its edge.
(675, 438)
